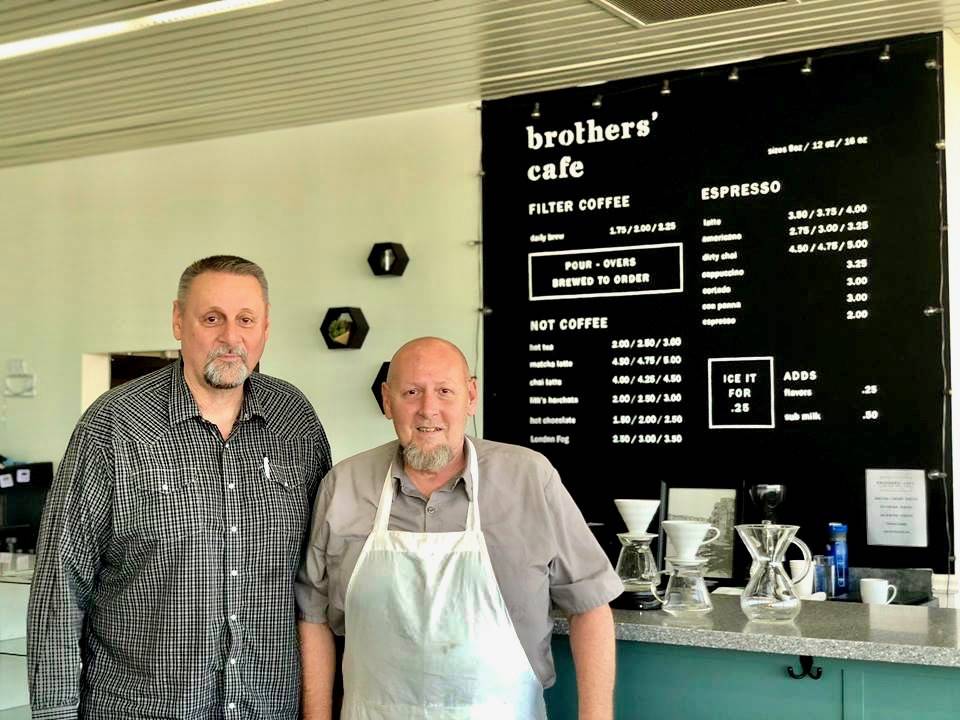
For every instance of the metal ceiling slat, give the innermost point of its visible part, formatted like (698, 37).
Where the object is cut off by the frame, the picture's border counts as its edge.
(165, 102)
(375, 80)
(135, 79)
(88, 80)
(285, 64)
(675, 44)
(44, 13)
(287, 15)
(342, 100)
(379, 54)
(271, 85)
(770, 32)
(309, 118)
(160, 95)
(63, 56)
(337, 98)
(363, 62)
(50, 17)
(333, 37)
(686, 62)
(144, 41)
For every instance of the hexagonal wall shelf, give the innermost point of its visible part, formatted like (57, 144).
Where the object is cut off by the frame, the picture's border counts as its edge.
(379, 380)
(388, 259)
(344, 328)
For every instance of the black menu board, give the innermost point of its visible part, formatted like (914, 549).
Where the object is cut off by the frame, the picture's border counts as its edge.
(725, 284)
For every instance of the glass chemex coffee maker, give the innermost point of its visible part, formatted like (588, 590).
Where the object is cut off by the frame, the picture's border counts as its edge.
(636, 565)
(770, 593)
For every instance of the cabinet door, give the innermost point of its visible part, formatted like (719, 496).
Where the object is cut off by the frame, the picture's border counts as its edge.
(888, 691)
(669, 681)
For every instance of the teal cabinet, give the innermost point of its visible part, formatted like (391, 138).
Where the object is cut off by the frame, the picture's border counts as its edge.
(889, 691)
(676, 681)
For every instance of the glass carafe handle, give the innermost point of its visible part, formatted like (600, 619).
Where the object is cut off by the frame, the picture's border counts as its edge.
(653, 588)
(806, 556)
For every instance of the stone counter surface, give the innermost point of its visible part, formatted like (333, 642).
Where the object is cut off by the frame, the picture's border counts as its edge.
(850, 631)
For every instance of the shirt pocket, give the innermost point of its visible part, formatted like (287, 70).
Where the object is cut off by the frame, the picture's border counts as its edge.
(168, 503)
(285, 501)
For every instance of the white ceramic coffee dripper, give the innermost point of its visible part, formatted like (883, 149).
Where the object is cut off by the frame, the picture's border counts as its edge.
(686, 537)
(637, 514)
(635, 566)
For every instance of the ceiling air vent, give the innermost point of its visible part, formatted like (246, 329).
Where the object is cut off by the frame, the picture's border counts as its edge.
(647, 12)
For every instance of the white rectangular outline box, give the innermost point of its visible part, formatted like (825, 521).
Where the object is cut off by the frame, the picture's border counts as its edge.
(773, 415)
(530, 256)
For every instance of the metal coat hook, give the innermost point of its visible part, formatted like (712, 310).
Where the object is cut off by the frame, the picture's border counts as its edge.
(807, 669)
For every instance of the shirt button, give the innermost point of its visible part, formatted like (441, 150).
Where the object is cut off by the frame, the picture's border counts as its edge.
(164, 487)
(227, 446)
(230, 486)
(233, 528)
(233, 661)
(231, 706)
(431, 509)
(233, 573)
(233, 618)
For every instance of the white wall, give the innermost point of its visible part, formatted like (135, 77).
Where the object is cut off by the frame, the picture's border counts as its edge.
(951, 71)
(92, 250)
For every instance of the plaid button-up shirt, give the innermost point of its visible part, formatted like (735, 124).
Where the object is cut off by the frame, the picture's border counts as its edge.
(164, 581)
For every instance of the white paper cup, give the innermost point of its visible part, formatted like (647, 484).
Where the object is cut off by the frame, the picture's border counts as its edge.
(803, 588)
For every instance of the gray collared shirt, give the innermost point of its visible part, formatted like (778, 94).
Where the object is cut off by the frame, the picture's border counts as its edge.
(164, 581)
(541, 549)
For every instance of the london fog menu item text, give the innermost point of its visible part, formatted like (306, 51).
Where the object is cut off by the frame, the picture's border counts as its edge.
(723, 286)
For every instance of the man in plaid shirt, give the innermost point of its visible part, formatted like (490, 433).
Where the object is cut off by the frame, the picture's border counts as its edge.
(172, 534)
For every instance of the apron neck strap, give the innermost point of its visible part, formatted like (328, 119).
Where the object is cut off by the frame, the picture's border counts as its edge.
(382, 520)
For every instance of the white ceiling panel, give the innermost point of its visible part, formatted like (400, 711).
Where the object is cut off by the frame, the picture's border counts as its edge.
(299, 62)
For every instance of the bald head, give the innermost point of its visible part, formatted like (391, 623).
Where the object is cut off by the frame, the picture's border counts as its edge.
(431, 347)
(429, 395)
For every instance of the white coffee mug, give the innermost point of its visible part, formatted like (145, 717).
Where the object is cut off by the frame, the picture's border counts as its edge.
(877, 591)
(804, 586)
(687, 536)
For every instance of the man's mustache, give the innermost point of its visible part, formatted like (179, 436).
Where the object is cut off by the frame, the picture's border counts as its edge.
(227, 350)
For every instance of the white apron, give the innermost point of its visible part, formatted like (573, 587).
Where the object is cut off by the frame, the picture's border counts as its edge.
(428, 636)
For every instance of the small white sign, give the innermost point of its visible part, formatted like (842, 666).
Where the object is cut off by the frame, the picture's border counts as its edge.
(897, 508)
(6, 480)
(23, 475)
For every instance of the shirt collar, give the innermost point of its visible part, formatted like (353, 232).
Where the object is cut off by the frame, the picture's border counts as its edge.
(405, 484)
(183, 406)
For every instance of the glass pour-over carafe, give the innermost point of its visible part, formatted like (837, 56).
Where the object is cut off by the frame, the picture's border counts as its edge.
(686, 592)
(770, 595)
(636, 566)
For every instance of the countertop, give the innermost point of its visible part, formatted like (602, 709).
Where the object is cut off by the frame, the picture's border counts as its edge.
(850, 631)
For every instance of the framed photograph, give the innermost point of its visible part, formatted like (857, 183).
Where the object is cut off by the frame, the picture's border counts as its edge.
(716, 506)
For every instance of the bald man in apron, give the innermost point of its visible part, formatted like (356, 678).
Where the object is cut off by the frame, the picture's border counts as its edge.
(439, 556)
